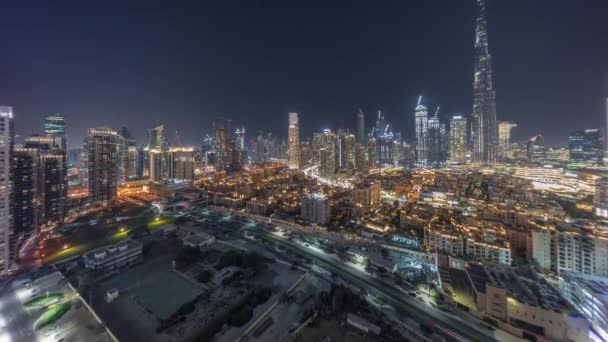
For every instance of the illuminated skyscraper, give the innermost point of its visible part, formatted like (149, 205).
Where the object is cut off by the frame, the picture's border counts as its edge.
(25, 194)
(600, 201)
(372, 160)
(346, 151)
(484, 128)
(239, 135)
(102, 151)
(325, 151)
(385, 140)
(421, 116)
(7, 135)
(127, 155)
(54, 126)
(435, 139)
(458, 139)
(361, 139)
(504, 140)
(181, 163)
(156, 138)
(293, 141)
(155, 169)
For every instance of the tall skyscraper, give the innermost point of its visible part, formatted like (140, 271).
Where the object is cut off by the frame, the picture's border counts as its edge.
(127, 155)
(155, 137)
(421, 122)
(54, 126)
(293, 141)
(102, 148)
(259, 150)
(221, 143)
(361, 139)
(325, 152)
(458, 139)
(52, 175)
(181, 163)
(7, 135)
(435, 139)
(239, 135)
(484, 128)
(155, 168)
(346, 151)
(504, 140)
(25, 194)
(385, 141)
(600, 200)
(372, 160)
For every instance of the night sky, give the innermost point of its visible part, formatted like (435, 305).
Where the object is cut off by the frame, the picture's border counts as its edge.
(254, 61)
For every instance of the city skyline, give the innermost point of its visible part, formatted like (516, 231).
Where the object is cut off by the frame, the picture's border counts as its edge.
(113, 100)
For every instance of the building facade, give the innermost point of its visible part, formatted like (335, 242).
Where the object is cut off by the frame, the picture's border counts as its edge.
(102, 151)
(293, 141)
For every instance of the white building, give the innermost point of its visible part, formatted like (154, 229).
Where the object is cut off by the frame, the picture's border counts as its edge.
(600, 200)
(6, 219)
(582, 250)
(488, 252)
(437, 240)
(113, 257)
(315, 208)
(541, 244)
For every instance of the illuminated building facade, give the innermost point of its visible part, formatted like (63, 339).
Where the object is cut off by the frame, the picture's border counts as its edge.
(6, 189)
(421, 128)
(102, 151)
(293, 141)
(484, 128)
(458, 139)
(315, 208)
(181, 163)
(504, 140)
(585, 146)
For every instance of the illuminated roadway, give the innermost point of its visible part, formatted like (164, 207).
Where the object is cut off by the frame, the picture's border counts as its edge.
(417, 310)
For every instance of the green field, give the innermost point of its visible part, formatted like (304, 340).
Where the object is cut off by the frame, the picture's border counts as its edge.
(44, 300)
(51, 315)
(161, 222)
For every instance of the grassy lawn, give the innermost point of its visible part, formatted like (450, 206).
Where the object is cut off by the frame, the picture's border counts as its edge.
(52, 315)
(44, 300)
(161, 222)
(116, 237)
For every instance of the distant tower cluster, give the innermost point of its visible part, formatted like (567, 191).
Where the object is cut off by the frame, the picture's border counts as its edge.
(293, 141)
(484, 128)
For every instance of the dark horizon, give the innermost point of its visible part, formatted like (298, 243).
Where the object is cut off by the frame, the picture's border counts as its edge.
(133, 65)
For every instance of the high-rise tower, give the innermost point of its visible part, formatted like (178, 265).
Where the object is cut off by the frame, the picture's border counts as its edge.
(7, 135)
(361, 127)
(102, 151)
(421, 132)
(293, 141)
(484, 128)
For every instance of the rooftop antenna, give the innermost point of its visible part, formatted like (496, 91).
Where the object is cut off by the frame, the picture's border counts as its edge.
(437, 111)
(419, 100)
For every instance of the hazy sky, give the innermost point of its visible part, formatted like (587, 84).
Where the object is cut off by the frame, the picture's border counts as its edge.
(131, 63)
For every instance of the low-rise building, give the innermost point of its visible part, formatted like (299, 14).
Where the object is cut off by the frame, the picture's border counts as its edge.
(526, 302)
(114, 256)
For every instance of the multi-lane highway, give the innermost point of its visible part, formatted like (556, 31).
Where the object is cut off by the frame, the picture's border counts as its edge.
(445, 324)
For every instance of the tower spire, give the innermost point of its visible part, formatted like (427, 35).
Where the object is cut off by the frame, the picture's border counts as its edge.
(484, 130)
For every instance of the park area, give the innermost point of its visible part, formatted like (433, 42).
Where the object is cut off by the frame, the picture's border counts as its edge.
(99, 230)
